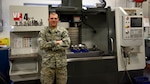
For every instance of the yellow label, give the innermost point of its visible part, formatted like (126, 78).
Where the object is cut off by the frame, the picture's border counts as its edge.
(5, 41)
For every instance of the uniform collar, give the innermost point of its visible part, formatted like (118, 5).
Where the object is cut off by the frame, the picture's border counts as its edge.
(52, 29)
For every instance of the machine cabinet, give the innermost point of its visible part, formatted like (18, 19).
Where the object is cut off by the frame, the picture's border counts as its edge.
(24, 58)
(25, 24)
(101, 70)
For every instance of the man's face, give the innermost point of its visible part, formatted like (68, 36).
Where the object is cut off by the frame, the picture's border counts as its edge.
(53, 20)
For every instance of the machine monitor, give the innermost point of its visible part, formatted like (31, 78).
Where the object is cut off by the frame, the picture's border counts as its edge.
(136, 22)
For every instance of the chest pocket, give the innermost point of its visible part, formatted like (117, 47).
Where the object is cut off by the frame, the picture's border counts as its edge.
(51, 36)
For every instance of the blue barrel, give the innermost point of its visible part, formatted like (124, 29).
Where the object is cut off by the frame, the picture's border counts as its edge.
(146, 82)
(140, 80)
(4, 66)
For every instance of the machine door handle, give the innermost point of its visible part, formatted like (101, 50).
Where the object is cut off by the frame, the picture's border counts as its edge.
(112, 44)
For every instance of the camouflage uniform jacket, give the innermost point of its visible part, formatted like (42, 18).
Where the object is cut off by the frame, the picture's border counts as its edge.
(54, 54)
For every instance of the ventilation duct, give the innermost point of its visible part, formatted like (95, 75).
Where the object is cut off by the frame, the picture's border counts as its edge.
(72, 3)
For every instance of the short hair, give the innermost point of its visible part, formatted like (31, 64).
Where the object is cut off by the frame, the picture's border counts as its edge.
(53, 13)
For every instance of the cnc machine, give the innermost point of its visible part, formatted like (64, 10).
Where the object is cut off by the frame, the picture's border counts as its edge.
(129, 38)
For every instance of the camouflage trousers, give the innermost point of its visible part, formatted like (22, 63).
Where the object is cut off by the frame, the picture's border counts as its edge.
(52, 75)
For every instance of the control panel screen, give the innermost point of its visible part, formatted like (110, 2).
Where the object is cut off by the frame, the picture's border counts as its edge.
(136, 22)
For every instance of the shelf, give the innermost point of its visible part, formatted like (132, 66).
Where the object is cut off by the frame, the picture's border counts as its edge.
(33, 55)
(23, 72)
(17, 68)
(26, 28)
(27, 77)
(22, 51)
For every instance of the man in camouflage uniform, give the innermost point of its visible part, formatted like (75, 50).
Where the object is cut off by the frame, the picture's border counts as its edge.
(54, 40)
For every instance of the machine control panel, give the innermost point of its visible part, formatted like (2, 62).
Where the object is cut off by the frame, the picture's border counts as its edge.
(133, 27)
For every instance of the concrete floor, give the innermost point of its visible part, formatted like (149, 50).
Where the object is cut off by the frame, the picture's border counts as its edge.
(29, 82)
(146, 74)
(147, 70)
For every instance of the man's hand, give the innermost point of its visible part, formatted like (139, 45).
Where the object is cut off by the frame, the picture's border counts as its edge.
(59, 42)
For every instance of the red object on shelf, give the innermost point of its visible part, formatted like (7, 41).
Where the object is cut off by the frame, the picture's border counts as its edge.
(138, 0)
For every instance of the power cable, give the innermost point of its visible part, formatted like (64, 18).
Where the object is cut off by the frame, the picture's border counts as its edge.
(123, 55)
